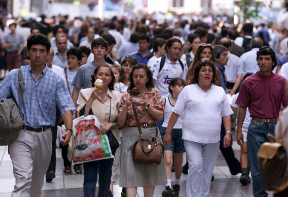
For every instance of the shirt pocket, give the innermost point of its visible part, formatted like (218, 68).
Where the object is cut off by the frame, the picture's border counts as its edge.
(47, 102)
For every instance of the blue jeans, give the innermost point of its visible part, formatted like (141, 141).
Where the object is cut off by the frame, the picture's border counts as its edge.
(90, 177)
(257, 133)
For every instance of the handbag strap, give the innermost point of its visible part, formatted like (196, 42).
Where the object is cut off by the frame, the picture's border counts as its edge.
(110, 112)
(66, 76)
(21, 89)
(136, 117)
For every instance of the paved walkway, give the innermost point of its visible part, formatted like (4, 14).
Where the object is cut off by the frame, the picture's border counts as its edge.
(72, 185)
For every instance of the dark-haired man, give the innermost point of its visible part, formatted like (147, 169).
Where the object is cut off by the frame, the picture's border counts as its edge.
(202, 33)
(143, 52)
(263, 93)
(60, 55)
(57, 30)
(83, 77)
(247, 31)
(31, 151)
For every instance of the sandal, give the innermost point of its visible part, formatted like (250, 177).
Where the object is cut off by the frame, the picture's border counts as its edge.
(77, 169)
(67, 169)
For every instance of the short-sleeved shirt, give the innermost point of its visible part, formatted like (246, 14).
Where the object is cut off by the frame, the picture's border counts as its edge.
(140, 58)
(284, 71)
(70, 77)
(249, 61)
(153, 97)
(168, 72)
(83, 77)
(16, 39)
(282, 60)
(58, 60)
(247, 118)
(233, 68)
(263, 95)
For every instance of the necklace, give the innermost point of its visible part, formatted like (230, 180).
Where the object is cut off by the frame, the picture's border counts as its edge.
(142, 93)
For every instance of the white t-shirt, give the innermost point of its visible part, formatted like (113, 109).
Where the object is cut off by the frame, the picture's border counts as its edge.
(284, 71)
(120, 87)
(203, 112)
(168, 72)
(58, 70)
(151, 62)
(167, 114)
(247, 119)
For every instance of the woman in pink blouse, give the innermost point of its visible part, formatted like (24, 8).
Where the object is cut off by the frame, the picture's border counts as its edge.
(150, 109)
(204, 106)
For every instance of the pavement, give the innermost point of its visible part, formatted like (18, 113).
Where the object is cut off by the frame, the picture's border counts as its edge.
(72, 185)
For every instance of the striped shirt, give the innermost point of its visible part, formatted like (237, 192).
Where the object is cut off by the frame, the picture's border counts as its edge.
(39, 98)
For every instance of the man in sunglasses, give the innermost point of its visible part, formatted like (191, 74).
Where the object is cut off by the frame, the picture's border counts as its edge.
(263, 93)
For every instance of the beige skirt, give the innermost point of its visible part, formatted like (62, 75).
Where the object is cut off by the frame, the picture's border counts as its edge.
(135, 174)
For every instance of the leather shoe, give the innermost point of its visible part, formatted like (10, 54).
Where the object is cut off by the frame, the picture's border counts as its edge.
(50, 176)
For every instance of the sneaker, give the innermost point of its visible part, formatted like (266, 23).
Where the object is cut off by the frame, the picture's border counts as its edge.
(185, 168)
(167, 192)
(245, 179)
(175, 191)
(50, 176)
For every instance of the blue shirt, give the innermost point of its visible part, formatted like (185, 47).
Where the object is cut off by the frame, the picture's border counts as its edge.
(222, 71)
(58, 60)
(39, 98)
(127, 48)
(140, 58)
(70, 77)
(282, 60)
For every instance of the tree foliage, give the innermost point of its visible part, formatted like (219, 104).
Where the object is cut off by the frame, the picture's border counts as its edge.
(249, 9)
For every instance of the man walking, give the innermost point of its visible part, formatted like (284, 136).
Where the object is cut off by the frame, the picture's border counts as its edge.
(60, 55)
(263, 93)
(31, 151)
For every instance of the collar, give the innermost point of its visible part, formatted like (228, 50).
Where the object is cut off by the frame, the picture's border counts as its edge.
(255, 49)
(169, 61)
(109, 93)
(222, 69)
(141, 55)
(43, 71)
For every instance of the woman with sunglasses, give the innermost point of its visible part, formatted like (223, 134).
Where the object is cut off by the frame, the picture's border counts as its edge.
(203, 51)
(127, 64)
(207, 104)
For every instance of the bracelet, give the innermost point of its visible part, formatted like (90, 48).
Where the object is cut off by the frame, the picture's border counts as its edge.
(228, 131)
(69, 130)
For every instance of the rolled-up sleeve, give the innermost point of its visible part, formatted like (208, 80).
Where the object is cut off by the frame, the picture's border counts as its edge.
(181, 102)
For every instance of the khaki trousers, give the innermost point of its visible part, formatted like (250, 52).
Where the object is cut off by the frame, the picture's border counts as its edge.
(30, 154)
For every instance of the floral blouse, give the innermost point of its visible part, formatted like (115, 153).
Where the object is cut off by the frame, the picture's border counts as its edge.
(153, 97)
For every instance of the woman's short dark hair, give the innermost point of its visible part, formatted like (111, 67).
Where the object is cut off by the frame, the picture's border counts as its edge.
(170, 42)
(176, 81)
(150, 82)
(75, 51)
(143, 37)
(132, 61)
(111, 84)
(99, 42)
(38, 39)
(268, 51)
(198, 66)
(158, 42)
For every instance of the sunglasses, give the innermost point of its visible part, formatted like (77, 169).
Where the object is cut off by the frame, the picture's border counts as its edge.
(267, 49)
(134, 58)
(205, 44)
(204, 60)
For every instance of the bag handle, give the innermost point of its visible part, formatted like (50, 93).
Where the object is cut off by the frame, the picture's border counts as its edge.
(274, 139)
(136, 117)
(21, 89)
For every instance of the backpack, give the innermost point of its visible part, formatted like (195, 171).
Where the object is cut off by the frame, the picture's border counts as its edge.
(162, 62)
(246, 44)
(11, 121)
(273, 163)
(188, 61)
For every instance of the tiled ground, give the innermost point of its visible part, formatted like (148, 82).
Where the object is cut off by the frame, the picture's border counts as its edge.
(71, 185)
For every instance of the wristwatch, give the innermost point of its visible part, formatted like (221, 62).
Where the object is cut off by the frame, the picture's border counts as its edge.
(147, 107)
(228, 131)
(69, 130)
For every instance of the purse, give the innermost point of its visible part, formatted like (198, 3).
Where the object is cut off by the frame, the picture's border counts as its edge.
(114, 144)
(273, 163)
(147, 151)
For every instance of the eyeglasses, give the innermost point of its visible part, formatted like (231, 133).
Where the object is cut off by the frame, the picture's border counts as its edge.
(134, 58)
(205, 44)
(267, 49)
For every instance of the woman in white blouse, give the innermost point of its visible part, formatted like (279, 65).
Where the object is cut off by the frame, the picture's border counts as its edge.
(204, 106)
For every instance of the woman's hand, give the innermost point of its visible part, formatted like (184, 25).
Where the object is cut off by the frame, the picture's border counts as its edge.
(106, 127)
(142, 102)
(128, 101)
(227, 140)
(95, 94)
(167, 139)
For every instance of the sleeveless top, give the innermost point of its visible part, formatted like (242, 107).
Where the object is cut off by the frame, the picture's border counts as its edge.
(167, 114)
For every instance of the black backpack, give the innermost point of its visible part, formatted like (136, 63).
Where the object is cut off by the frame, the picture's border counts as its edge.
(246, 44)
(162, 62)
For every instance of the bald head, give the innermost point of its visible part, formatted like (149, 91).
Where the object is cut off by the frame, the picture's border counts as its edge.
(256, 43)
(226, 42)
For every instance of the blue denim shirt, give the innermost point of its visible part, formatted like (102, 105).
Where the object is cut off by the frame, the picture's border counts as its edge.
(58, 60)
(39, 98)
(222, 71)
(141, 59)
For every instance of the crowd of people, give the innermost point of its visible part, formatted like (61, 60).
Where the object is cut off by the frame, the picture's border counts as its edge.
(190, 77)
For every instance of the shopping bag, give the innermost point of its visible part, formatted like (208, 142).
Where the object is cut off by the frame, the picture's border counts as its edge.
(89, 143)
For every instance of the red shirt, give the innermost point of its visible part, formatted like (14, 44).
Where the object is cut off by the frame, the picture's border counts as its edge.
(263, 95)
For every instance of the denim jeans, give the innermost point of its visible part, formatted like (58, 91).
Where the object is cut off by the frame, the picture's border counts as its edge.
(257, 133)
(91, 169)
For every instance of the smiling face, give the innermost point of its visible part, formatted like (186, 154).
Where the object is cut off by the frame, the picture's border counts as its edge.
(140, 78)
(205, 75)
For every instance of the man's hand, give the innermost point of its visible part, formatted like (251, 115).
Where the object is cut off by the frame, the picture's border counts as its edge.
(66, 136)
(167, 139)
(230, 91)
(227, 140)
(239, 137)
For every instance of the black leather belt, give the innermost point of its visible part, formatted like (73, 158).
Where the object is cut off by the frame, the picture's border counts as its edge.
(39, 129)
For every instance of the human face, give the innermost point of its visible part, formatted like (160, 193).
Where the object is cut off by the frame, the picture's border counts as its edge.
(162, 50)
(90, 34)
(99, 52)
(35, 32)
(174, 51)
(195, 44)
(176, 89)
(223, 59)
(50, 57)
(143, 45)
(61, 43)
(206, 53)
(12, 28)
(265, 63)
(127, 68)
(104, 74)
(84, 59)
(140, 78)
(116, 74)
(204, 39)
(72, 61)
(60, 31)
(205, 75)
(38, 55)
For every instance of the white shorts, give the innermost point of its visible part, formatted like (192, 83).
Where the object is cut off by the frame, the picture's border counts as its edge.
(245, 132)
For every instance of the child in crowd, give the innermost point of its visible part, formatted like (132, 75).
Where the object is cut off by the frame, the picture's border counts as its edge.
(85, 54)
(118, 73)
(176, 85)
